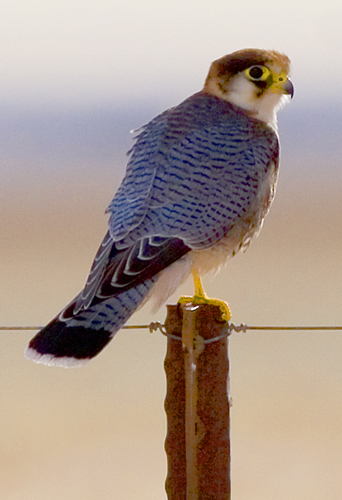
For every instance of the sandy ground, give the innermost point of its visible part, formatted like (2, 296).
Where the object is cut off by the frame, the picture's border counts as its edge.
(98, 432)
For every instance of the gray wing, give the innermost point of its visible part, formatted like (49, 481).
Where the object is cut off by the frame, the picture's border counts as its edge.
(193, 172)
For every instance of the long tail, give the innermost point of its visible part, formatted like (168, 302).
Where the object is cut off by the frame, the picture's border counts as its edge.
(118, 283)
(75, 341)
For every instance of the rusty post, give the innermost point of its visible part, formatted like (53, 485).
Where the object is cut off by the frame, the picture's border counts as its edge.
(192, 346)
(197, 405)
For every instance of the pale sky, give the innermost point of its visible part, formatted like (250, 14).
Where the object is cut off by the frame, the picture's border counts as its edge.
(81, 52)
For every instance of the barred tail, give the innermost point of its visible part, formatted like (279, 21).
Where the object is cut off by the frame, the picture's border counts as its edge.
(77, 339)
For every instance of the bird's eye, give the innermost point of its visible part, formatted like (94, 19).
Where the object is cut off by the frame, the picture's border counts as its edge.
(258, 73)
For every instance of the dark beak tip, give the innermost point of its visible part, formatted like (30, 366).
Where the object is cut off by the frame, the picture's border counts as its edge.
(289, 88)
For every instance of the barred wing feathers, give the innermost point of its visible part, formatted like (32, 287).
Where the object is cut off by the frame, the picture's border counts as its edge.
(190, 174)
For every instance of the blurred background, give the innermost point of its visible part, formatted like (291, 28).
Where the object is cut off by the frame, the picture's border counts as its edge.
(76, 77)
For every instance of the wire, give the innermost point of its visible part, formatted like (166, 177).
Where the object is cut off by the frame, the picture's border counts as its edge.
(237, 328)
(5, 328)
(293, 327)
(231, 327)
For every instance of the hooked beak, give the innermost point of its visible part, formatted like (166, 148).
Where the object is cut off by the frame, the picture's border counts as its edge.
(288, 88)
(283, 86)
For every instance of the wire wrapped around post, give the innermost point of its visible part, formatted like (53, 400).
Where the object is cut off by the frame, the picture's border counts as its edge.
(197, 404)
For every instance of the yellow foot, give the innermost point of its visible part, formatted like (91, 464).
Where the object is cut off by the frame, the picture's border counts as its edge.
(200, 298)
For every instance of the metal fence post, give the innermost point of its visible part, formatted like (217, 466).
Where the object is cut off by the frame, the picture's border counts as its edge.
(197, 405)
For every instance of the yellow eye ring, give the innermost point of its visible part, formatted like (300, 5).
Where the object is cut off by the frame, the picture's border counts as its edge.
(257, 73)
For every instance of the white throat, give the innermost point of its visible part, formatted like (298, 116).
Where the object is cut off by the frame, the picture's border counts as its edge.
(243, 93)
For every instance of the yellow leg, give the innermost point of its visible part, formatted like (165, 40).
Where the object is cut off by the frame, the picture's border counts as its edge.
(200, 297)
(199, 290)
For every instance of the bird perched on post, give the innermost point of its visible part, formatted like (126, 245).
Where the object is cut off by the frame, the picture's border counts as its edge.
(200, 179)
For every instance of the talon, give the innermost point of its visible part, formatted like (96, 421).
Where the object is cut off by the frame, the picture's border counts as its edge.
(200, 297)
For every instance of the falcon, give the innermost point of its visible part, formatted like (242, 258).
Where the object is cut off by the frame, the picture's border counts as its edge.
(200, 179)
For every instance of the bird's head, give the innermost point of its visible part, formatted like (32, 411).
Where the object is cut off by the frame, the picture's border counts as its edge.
(255, 80)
